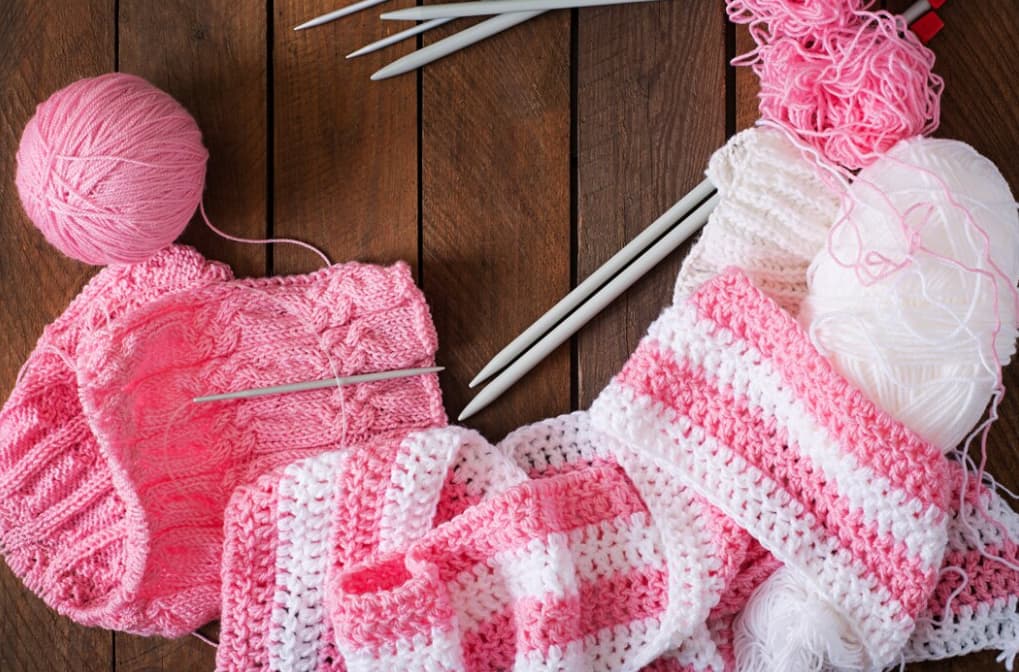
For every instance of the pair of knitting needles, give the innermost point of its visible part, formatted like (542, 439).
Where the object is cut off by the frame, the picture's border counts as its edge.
(510, 13)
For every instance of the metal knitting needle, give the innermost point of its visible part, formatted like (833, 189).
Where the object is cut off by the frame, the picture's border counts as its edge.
(486, 7)
(338, 14)
(319, 384)
(398, 37)
(599, 277)
(448, 45)
(592, 307)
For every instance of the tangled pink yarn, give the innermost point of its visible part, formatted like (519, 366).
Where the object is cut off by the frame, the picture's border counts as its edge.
(849, 82)
(795, 18)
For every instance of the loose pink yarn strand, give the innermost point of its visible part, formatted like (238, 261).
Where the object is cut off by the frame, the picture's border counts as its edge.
(262, 241)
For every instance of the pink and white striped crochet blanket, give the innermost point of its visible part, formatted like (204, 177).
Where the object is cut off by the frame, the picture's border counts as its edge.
(628, 537)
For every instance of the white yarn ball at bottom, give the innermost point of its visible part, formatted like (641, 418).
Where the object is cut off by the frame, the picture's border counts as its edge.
(918, 338)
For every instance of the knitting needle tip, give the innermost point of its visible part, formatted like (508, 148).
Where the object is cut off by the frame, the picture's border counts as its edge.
(339, 13)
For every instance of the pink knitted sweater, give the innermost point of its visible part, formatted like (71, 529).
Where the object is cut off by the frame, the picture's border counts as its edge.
(113, 483)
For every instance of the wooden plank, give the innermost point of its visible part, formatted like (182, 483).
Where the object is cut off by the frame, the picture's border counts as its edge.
(746, 83)
(345, 171)
(651, 110)
(496, 209)
(44, 45)
(212, 56)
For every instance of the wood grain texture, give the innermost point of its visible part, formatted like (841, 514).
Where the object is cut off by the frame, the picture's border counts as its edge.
(496, 209)
(650, 112)
(44, 45)
(345, 148)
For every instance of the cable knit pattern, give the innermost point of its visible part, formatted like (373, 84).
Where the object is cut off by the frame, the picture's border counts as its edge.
(772, 219)
(333, 510)
(728, 392)
(115, 483)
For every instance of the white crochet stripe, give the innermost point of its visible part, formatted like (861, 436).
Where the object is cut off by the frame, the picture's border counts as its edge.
(483, 591)
(438, 652)
(726, 478)
(700, 652)
(613, 546)
(483, 469)
(415, 484)
(728, 360)
(616, 648)
(306, 498)
(554, 443)
(694, 581)
(993, 625)
(556, 658)
(542, 569)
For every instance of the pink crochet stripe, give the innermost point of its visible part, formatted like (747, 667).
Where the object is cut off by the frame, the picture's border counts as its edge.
(758, 505)
(393, 604)
(730, 420)
(519, 516)
(537, 625)
(987, 579)
(867, 543)
(731, 302)
(249, 578)
(515, 533)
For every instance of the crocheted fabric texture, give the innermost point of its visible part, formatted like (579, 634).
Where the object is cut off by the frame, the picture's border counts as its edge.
(113, 483)
(773, 217)
(567, 571)
(727, 391)
(976, 603)
(284, 532)
(750, 228)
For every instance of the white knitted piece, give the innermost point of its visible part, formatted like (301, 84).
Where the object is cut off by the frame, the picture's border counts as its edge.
(773, 217)
(306, 497)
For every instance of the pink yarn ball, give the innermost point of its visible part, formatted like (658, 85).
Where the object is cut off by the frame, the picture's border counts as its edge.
(111, 169)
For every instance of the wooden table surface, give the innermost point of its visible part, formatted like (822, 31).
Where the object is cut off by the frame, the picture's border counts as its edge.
(503, 174)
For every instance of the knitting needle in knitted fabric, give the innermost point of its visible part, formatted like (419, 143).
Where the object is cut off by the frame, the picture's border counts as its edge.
(319, 384)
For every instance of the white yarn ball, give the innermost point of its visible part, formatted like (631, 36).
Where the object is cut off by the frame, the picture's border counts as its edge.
(785, 627)
(918, 340)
